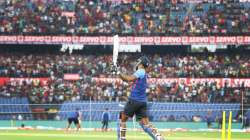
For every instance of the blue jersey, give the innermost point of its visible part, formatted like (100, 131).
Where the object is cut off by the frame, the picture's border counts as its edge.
(105, 116)
(138, 92)
(73, 114)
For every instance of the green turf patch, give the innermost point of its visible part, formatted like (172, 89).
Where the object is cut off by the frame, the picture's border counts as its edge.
(90, 135)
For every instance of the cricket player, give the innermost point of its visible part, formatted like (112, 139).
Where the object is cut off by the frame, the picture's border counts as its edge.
(137, 103)
(74, 116)
(105, 120)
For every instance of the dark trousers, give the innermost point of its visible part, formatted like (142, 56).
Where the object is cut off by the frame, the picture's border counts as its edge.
(105, 124)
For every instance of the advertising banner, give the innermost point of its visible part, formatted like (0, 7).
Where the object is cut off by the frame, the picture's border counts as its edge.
(108, 40)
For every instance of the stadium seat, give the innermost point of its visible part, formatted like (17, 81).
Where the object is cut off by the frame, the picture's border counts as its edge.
(11, 107)
(157, 110)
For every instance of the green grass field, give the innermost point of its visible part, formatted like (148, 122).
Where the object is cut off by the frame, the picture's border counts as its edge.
(90, 135)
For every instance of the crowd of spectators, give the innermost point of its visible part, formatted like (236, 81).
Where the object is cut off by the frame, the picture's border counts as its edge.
(161, 66)
(124, 17)
(57, 90)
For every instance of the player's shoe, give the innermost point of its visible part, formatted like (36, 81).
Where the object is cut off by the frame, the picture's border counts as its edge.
(159, 137)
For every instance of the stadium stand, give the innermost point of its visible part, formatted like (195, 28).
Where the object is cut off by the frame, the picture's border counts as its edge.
(158, 111)
(91, 111)
(10, 108)
(164, 66)
(59, 90)
(248, 113)
(140, 17)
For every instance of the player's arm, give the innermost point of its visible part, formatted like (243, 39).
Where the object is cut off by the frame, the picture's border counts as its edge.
(130, 78)
(127, 78)
(102, 114)
(108, 115)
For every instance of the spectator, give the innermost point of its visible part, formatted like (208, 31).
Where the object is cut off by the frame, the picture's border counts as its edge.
(20, 117)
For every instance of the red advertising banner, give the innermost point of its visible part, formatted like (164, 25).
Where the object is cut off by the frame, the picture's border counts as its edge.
(232, 82)
(4, 80)
(108, 40)
(71, 77)
(41, 81)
